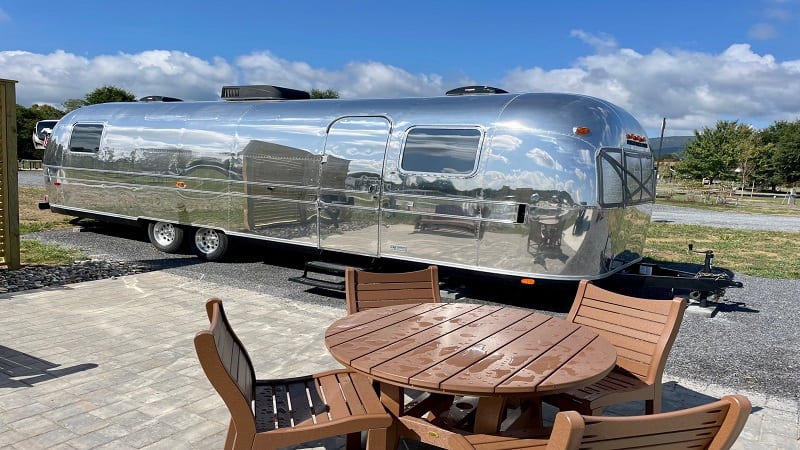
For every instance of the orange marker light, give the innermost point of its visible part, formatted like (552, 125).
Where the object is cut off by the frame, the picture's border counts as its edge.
(528, 281)
(582, 131)
(180, 184)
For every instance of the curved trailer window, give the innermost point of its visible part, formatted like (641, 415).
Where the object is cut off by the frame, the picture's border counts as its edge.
(441, 150)
(86, 137)
(626, 177)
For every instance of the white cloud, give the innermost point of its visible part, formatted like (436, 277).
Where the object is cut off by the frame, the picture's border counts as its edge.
(355, 80)
(601, 42)
(58, 76)
(779, 14)
(690, 89)
(4, 17)
(763, 31)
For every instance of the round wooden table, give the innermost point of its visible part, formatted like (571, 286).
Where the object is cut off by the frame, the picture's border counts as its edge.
(492, 352)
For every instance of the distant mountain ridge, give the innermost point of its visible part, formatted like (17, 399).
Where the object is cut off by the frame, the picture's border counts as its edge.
(672, 144)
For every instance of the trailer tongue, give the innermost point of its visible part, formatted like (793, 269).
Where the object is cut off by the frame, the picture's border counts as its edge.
(709, 283)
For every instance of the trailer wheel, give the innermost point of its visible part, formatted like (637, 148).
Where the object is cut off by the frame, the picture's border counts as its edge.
(210, 244)
(165, 236)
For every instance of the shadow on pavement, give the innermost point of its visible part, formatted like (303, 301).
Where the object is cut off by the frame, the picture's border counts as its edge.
(18, 369)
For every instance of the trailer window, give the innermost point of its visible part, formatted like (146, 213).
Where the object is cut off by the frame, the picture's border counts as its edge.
(86, 137)
(625, 177)
(438, 150)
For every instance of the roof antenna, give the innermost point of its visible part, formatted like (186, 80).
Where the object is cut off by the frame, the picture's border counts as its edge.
(661, 141)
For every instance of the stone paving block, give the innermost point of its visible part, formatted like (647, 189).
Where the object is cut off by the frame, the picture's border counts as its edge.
(190, 393)
(131, 420)
(752, 429)
(13, 396)
(183, 420)
(780, 423)
(31, 425)
(116, 444)
(161, 407)
(9, 437)
(61, 446)
(206, 430)
(170, 443)
(216, 440)
(83, 423)
(56, 398)
(90, 440)
(46, 440)
(117, 408)
(55, 385)
(148, 394)
(149, 433)
(782, 404)
(204, 405)
(66, 410)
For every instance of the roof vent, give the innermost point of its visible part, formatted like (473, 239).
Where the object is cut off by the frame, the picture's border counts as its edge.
(475, 90)
(262, 92)
(159, 98)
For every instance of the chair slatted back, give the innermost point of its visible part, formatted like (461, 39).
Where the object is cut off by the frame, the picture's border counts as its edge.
(712, 426)
(365, 290)
(641, 330)
(226, 362)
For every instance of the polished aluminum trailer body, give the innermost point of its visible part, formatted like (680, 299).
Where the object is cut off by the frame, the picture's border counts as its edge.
(540, 185)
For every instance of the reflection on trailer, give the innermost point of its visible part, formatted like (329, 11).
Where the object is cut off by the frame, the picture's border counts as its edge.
(535, 185)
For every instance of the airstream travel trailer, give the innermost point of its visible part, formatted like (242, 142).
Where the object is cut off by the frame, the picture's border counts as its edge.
(534, 185)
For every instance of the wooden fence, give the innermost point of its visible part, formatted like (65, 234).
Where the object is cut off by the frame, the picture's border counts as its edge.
(9, 198)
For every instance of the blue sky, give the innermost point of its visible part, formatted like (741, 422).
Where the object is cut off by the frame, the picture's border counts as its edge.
(693, 62)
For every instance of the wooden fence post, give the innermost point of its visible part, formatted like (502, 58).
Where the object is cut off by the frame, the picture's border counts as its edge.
(9, 193)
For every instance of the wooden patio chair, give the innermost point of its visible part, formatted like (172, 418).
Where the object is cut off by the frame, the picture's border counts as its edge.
(270, 414)
(715, 426)
(641, 330)
(365, 290)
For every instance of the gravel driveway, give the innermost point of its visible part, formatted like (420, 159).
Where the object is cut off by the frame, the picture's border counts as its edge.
(692, 216)
(30, 178)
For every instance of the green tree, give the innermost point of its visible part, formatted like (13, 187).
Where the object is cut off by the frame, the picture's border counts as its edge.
(105, 94)
(715, 153)
(763, 173)
(73, 104)
(785, 139)
(26, 122)
(108, 94)
(327, 93)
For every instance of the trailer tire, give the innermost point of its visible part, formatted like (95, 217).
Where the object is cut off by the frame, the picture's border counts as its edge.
(210, 244)
(165, 236)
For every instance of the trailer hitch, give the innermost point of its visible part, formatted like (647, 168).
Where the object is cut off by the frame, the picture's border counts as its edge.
(707, 272)
(706, 283)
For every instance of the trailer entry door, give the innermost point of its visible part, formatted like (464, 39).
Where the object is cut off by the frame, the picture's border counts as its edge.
(351, 179)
